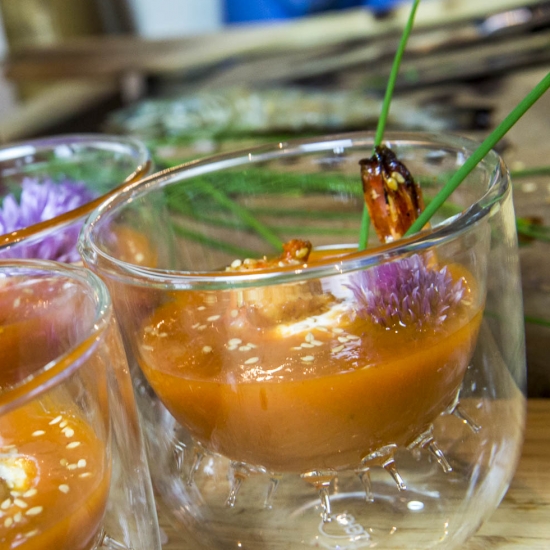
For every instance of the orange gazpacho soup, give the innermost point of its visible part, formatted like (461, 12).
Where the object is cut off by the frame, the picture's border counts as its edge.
(54, 480)
(291, 378)
(54, 469)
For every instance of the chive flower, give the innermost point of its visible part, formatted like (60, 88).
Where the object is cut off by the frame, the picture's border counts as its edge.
(407, 292)
(43, 200)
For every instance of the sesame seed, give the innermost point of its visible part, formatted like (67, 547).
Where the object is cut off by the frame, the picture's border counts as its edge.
(5, 504)
(63, 462)
(84, 474)
(63, 424)
(163, 334)
(317, 342)
(391, 183)
(81, 463)
(342, 339)
(64, 488)
(213, 318)
(38, 433)
(308, 358)
(201, 327)
(30, 493)
(234, 313)
(17, 302)
(31, 533)
(353, 337)
(231, 348)
(73, 445)
(72, 467)
(56, 420)
(398, 177)
(251, 346)
(322, 329)
(296, 347)
(196, 325)
(69, 432)
(8, 522)
(337, 330)
(17, 517)
(244, 348)
(148, 329)
(306, 345)
(207, 349)
(201, 308)
(235, 341)
(252, 360)
(309, 337)
(337, 349)
(15, 493)
(20, 503)
(236, 263)
(34, 511)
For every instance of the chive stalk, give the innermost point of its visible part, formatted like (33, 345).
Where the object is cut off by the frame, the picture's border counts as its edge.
(365, 220)
(477, 156)
(265, 232)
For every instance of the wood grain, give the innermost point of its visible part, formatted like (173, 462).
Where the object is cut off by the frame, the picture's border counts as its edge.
(522, 522)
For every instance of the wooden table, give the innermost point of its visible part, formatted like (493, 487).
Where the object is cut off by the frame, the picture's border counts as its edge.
(522, 522)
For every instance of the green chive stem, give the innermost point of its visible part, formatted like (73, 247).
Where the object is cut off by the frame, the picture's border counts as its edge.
(364, 231)
(530, 172)
(524, 105)
(265, 232)
(393, 75)
(214, 243)
(365, 220)
(537, 321)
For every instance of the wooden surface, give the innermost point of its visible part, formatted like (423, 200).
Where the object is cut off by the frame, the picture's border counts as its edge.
(522, 522)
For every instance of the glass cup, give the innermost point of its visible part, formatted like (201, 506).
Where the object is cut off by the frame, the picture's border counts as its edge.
(356, 399)
(48, 186)
(73, 470)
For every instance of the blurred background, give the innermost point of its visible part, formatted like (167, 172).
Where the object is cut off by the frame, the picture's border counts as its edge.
(195, 77)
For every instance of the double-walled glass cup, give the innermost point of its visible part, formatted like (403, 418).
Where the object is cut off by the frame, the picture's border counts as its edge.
(353, 399)
(49, 185)
(73, 470)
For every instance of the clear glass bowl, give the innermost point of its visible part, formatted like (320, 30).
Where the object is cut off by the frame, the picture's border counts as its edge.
(54, 183)
(73, 470)
(367, 399)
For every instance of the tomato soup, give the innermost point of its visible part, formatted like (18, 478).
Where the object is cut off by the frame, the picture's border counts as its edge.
(54, 480)
(54, 469)
(292, 379)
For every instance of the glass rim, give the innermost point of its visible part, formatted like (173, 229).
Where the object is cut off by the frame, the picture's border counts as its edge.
(58, 369)
(498, 187)
(22, 148)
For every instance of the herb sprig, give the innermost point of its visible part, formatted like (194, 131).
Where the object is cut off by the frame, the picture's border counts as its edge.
(477, 156)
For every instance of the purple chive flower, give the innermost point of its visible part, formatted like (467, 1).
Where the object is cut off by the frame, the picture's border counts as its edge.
(406, 292)
(41, 201)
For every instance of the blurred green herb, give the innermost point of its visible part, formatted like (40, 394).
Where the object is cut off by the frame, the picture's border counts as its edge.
(289, 184)
(537, 321)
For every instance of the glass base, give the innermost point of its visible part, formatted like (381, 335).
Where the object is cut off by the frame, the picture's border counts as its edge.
(429, 504)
